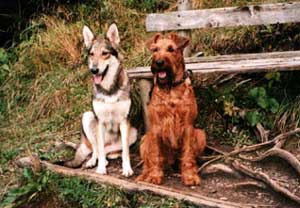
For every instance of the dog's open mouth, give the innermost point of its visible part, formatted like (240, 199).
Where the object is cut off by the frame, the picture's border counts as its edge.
(162, 75)
(97, 79)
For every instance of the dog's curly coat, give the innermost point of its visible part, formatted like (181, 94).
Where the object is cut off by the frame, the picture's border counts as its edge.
(172, 111)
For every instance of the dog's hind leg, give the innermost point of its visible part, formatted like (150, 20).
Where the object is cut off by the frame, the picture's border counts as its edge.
(89, 126)
(81, 154)
(87, 136)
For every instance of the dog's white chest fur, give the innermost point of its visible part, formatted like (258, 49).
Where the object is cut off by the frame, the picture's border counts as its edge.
(109, 113)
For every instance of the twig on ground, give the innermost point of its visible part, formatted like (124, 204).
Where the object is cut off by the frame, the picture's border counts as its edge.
(247, 183)
(139, 164)
(209, 162)
(215, 149)
(263, 133)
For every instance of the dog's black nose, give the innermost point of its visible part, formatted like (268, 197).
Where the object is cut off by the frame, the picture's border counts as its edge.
(159, 62)
(94, 70)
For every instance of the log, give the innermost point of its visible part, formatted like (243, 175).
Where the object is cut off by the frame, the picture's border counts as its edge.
(224, 17)
(132, 186)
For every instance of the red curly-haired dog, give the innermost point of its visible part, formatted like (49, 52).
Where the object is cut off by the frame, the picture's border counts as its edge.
(172, 111)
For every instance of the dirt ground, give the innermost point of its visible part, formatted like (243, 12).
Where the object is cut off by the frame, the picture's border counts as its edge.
(221, 185)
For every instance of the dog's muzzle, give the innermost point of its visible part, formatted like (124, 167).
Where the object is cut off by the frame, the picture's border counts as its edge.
(97, 76)
(94, 70)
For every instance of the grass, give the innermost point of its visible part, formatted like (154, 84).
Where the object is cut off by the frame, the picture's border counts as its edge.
(45, 88)
(37, 189)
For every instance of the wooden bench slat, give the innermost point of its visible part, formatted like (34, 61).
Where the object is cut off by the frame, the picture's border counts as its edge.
(225, 17)
(245, 56)
(279, 61)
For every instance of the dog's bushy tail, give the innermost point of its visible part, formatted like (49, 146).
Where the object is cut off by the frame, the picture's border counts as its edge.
(81, 154)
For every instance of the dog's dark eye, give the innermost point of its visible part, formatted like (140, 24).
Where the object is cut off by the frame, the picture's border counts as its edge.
(91, 53)
(104, 53)
(170, 49)
(155, 49)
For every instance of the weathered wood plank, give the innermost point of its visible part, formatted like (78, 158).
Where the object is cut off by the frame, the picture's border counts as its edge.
(184, 5)
(225, 17)
(245, 56)
(279, 61)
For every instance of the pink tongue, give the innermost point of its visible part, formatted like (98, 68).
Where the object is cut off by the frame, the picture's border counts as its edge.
(97, 79)
(162, 74)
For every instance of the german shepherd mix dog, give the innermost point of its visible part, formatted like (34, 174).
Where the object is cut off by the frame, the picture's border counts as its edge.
(172, 112)
(106, 129)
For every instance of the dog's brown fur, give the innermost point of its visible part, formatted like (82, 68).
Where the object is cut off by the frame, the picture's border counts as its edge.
(172, 111)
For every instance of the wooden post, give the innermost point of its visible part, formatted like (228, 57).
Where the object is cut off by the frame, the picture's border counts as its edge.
(145, 86)
(183, 5)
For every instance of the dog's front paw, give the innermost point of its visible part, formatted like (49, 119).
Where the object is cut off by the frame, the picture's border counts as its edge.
(91, 163)
(127, 172)
(126, 169)
(154, 177)
(101, 170)
(190, 179)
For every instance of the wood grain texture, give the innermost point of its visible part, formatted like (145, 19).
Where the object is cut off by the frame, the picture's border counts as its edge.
(242, 63)
(225, 17)
(184, 5)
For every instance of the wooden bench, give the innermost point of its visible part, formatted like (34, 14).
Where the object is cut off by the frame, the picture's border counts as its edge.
(184, 20)
(244, 63)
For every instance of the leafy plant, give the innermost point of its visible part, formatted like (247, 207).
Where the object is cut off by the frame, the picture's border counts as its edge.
(265, 103)
(34, 184)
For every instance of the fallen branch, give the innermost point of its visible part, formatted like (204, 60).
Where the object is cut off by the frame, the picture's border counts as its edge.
(130, 185)
(258, 175)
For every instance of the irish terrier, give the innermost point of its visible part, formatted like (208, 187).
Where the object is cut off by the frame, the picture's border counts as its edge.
(172, 111)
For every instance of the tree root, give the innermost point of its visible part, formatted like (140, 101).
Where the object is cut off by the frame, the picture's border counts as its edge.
(287, 156)
(257, 184)
(258, 175)
(215, 168)
(262, 179)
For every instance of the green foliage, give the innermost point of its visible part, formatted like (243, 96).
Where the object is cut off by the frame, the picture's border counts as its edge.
(33, 185)
(147, 5)
(259, 95)
(265, 104)
(253, 117)
(7, 155)
(71, 190)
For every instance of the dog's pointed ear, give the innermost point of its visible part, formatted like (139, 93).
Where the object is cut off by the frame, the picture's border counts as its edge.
(180, 41)
(152, 40)
(88, 36)
(113, 35)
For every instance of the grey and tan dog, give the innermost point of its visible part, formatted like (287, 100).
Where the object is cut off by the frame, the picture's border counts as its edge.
(107, 128)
